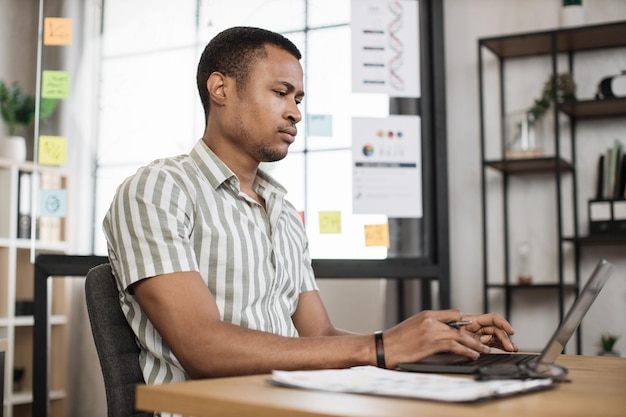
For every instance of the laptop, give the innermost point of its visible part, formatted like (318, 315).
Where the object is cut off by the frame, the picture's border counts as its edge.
(457, 364)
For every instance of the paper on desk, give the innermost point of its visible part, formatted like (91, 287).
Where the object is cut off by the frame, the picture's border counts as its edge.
(376, 381)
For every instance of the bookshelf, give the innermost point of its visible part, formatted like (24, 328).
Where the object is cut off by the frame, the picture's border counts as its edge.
(556, 170)
(17, 288)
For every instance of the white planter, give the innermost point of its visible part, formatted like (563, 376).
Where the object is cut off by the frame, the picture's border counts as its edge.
(13, 147)
(573, 15)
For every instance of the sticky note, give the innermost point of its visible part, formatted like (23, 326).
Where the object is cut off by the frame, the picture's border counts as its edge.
(53, 203)
(320, 125)
(330, 222)
(55, 84)
(57, 31)
(377, 235)
(52, 150)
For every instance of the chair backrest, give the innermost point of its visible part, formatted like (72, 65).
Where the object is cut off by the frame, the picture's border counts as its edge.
(115, 343)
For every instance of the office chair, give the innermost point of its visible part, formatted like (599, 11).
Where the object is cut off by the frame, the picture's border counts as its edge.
(115, 343)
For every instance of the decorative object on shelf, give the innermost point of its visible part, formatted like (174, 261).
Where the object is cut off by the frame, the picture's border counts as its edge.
(572, 13)
(525, 142)
(17, 108)
(613, 86)
(523, 253)
(18, 376)
(607, 344)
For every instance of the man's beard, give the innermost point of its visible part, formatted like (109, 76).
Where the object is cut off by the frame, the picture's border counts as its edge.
(266, 153)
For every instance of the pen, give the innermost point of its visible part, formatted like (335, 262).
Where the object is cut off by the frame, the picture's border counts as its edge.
(457, 324)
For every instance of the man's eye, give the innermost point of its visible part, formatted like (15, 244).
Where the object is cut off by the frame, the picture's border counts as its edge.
(281, 93)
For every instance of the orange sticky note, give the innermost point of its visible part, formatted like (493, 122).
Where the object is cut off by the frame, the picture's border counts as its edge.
(377, 235)
(52, 150)
(57, 31)
(330, 222)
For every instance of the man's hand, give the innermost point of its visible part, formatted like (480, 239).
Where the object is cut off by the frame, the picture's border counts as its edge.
(491, 330)
(428, 333)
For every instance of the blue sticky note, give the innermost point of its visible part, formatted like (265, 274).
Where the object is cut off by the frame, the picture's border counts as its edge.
(320, 125)
(53, 203)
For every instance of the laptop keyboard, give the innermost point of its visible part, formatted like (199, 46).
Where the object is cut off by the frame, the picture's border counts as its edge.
(498, 358)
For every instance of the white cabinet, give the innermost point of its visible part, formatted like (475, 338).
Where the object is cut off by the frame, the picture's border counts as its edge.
(16, 280)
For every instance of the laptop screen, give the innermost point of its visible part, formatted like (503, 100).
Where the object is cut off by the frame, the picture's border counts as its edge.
(575, 314)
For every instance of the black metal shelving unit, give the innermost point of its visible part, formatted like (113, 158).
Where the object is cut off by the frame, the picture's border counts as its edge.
(554, 44)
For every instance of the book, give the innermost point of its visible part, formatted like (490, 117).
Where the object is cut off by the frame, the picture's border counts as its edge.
(611, 172)
(615, 159)
(600, 179)
(621, 190)
(24, 205)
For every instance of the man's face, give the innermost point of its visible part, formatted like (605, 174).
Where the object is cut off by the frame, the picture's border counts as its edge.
(267, 110)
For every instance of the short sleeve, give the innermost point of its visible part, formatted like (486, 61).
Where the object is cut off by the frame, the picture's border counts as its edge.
(149, 225)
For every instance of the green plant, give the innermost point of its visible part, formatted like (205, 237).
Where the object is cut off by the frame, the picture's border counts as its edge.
(565, 92)
(17, 107)
(607, 342)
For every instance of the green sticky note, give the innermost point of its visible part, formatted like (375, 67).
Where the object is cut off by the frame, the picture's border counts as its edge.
(330, 222)
(55, 84)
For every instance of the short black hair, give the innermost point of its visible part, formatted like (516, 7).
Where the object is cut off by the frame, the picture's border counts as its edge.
(232, 52)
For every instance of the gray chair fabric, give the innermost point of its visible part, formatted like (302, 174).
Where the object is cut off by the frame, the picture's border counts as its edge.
(115, 342)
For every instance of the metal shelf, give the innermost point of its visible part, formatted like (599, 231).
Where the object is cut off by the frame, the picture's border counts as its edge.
(610, 35)
(607, 240)
(530, 165)
(550, 43)
(588, 109)
(555, 286)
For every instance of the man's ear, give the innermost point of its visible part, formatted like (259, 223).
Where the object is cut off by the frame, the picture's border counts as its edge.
(216, 86)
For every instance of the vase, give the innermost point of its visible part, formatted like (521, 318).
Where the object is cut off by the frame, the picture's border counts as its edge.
(13, 148)
(612, 353)
(522, 141)
(572, 15)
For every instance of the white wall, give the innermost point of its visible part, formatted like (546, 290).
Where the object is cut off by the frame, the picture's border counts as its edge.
(465, 22)
(18, 49)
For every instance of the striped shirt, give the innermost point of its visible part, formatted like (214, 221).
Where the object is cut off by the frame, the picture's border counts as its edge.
(188, 214)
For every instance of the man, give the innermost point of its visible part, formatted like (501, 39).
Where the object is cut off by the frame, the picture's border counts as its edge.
(212, 261)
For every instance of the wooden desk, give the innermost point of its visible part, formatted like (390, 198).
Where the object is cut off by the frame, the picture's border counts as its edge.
(4, 345)
(598, 388)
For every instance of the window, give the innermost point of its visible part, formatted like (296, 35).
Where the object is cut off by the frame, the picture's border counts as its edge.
(150, 107)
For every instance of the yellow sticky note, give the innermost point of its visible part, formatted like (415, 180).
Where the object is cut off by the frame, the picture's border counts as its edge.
(377, 235)
(52, 150)
(55, 84)
(330, 222)
(57, 31)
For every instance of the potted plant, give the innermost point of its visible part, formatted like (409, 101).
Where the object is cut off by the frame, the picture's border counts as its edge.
(17, 108)
(607, 343)
(565, 92)
(572, 13)
(525, 142)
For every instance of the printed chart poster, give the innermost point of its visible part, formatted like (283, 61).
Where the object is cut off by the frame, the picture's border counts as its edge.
(387, 171)
(385, 47)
